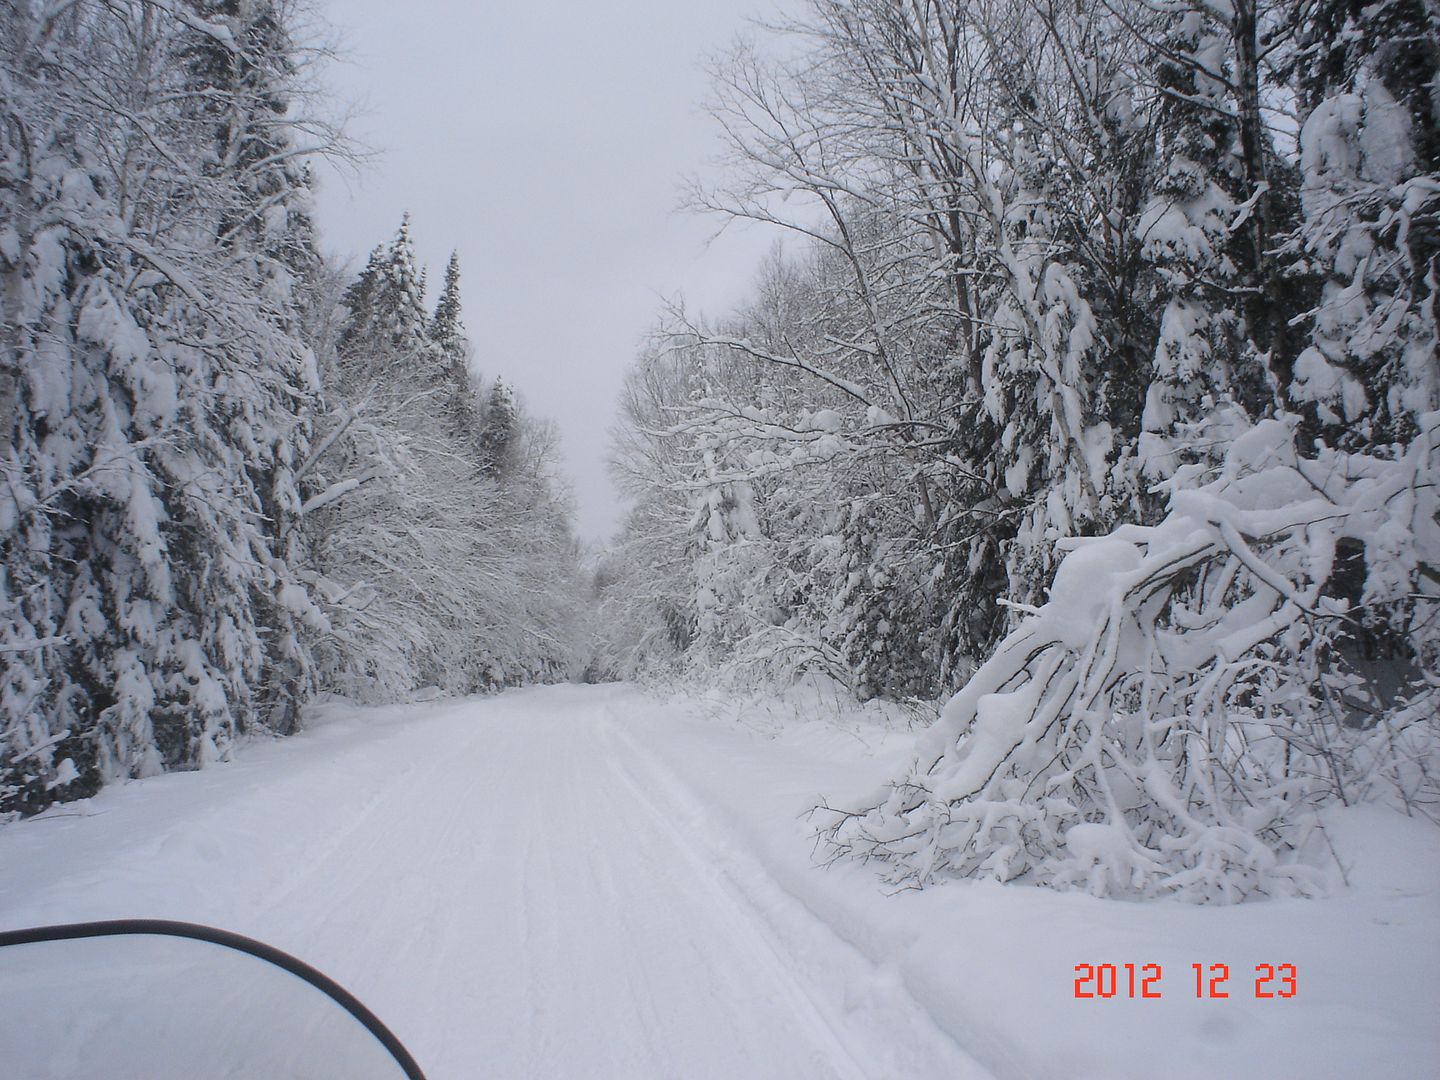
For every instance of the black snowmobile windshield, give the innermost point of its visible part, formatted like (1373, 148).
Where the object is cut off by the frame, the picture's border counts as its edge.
(154, 999)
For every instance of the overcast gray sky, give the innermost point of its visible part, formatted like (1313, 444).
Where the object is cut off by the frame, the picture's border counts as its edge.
(546, 142)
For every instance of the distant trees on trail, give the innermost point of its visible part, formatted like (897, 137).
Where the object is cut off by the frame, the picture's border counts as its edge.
(440, 543)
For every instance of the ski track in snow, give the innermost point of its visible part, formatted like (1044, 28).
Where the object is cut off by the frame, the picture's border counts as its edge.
(515, 885)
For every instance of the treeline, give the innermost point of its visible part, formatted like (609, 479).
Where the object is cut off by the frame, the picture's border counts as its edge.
(1054, 264)
(438, 530)
(231, 481)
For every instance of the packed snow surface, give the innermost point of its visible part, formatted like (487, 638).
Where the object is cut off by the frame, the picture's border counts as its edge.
(585, 882)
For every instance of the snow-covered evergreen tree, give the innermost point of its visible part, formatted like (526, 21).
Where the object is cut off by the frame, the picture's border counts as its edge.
(446, 327)
(386, 339)
(155, 392)
(499, 424)
(1370, 194)
(1187, 234)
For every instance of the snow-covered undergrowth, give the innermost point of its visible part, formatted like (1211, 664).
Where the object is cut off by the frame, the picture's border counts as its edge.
(1170, 720)
(809, 698)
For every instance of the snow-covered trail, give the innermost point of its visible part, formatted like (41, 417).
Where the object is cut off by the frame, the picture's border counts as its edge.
(513, 884)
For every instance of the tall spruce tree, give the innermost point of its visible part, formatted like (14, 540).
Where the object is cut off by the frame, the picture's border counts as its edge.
(386, 338)
(447, 331)
(446, 328)
(499, 430)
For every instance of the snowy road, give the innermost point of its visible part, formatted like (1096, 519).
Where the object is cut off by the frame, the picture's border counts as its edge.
(514, 884)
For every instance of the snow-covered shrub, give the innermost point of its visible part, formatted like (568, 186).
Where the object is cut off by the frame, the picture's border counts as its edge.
(1168, 721)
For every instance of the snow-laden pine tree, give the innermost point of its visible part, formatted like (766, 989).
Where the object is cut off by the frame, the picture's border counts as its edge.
(499, 428)
(267, 235)
(1204, 367)
(1370, 239)
(1368, 246)
(447, 330)
(386, 339)
(464, 406)
(155, 393)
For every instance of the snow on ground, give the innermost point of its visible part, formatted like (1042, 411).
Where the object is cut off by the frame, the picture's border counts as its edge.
(994, 965)
(582, 881)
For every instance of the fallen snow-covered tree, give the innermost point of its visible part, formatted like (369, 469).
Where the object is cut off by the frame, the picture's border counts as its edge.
(1169, 721)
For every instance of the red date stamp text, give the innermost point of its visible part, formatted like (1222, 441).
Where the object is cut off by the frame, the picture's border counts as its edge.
(1214, 981)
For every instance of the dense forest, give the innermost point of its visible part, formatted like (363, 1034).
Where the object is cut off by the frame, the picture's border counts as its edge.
(1094, 391)
(234, 479)
(1097, 383)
